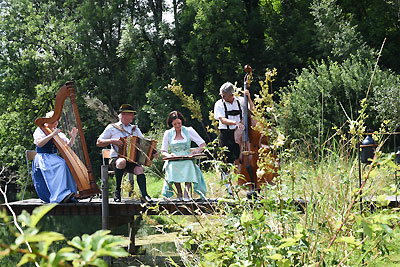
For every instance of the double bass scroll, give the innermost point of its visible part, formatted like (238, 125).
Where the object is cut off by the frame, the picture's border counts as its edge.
(78, 161)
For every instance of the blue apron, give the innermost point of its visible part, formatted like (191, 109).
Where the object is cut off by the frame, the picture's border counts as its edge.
(51, 176)
(182, 171)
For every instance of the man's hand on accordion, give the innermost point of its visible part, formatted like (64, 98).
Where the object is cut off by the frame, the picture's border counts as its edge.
(117, 142)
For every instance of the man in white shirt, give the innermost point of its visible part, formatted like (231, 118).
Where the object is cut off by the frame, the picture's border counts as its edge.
(111, 136)
(229, 112)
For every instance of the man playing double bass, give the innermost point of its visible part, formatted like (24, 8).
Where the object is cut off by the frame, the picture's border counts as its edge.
(111, 136)
(229, 112)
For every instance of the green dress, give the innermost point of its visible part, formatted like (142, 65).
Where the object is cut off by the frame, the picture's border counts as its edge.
(181, 171)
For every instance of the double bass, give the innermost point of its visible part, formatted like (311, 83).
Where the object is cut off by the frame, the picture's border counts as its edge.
(250, 141)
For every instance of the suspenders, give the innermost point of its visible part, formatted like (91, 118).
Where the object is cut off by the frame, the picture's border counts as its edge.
(123, 130)
(232, 112)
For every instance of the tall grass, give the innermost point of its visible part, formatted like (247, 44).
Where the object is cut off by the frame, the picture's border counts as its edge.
(330, 230)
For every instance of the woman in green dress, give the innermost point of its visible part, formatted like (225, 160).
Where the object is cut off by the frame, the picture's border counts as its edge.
(176, 142)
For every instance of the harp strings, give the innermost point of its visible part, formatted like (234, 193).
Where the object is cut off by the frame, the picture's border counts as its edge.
(66, 123)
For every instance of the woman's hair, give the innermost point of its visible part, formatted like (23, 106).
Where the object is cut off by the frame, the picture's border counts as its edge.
(173, 116)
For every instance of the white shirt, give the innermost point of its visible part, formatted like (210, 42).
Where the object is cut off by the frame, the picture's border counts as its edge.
(39, 134)
(110, 132)
(219, 111)
(193, 136)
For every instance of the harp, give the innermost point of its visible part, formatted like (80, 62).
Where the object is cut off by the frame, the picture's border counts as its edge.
(138, 150)
(76, 157)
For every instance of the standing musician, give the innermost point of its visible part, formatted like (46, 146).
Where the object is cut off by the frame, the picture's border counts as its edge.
(229, 112)
(111, 136)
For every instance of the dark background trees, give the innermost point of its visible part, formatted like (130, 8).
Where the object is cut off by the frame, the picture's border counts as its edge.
(128, 51)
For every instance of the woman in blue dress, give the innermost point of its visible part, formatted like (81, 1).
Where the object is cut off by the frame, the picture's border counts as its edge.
(51, 176)
(176, 142)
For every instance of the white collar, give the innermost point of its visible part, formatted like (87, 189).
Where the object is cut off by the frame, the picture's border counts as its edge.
(233, 102)
(123, 125)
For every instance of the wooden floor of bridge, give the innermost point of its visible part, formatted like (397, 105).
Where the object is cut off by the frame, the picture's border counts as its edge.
(127, 207)
(131, 207)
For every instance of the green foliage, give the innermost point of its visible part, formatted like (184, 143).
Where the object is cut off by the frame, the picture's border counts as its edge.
(335, 34)
(385, 93)
(272, 231)
(377, 20)
(123, 51)
(269, 230)
(248, 239)
(36, 246)
(187, 101)
(329, 93)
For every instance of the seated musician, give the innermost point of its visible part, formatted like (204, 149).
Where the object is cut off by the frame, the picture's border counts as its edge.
(51, 176)
(111, 136)
(178, 140)
(229, 112)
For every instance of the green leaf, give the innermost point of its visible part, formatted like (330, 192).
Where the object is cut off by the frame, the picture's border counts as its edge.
(284, 263)
(276, 257)
(24, 218)
(100, 263)
(67, 253)
(39, 212)
(116, 252)
(76, 242)
(47, 237)
(258, 214)
(288, 242)
(28, 257)
(245, 218)
(381, 201)
(87, 254)
(348, 240)
(367, 228)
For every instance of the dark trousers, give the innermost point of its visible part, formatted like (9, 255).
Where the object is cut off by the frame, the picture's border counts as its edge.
(227, 139)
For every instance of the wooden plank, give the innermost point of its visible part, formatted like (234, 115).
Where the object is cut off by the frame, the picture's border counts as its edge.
(127, 207)
(132, 207)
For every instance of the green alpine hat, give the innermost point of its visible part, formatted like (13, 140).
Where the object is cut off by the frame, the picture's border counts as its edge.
(127, 108)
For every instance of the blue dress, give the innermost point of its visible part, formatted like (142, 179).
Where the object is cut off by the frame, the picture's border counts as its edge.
(181, 171)
(51, 176)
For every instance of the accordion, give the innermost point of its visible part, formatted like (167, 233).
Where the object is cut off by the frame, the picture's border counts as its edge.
(138, 150)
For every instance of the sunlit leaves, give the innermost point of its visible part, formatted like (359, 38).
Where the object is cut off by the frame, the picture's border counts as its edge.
(84, 251)
(187, 101)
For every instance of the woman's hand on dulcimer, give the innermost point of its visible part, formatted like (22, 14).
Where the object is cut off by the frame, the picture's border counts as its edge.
(168, 155)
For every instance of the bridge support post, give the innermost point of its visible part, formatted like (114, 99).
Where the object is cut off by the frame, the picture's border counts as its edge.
(133, 227)
(105, 205)
(104, 198)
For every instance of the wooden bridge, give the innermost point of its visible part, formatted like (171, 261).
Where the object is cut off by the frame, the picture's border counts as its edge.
(128, 211)
(127, 207)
